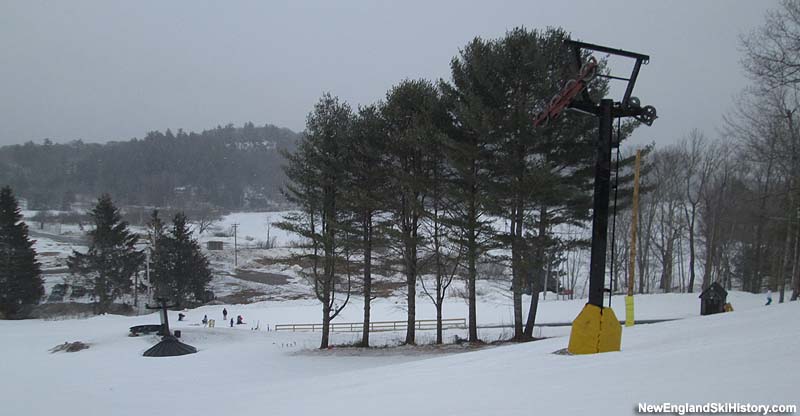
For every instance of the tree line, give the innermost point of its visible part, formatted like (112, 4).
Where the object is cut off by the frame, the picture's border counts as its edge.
(727, 209)
(178, 271)
(416, 184)
(225, 167)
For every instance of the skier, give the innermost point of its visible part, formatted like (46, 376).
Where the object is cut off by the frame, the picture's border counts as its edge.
(181, 316)
(224, 314)
(769, 297)
(205, 320)
(231, 322)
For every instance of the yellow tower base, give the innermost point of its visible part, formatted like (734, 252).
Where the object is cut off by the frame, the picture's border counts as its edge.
(595, 330)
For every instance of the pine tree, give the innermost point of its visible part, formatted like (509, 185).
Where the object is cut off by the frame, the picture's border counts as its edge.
(469, 99)
(318, 174)
(20, 273)
(160, 258)
(179, 270)
(191, 270)
(537, 177)
(415, 116)
(107, 268)
(364, 195)
(443, 248)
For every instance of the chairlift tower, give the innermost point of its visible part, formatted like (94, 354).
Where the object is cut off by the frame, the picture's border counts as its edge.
(596, 329)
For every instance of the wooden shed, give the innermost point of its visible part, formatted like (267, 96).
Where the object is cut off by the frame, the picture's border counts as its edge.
(713, 299)
(214, 245)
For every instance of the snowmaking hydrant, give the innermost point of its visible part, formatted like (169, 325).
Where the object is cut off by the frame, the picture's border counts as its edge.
(596, 328)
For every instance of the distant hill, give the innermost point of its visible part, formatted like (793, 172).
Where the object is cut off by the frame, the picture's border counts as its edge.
(227, 167)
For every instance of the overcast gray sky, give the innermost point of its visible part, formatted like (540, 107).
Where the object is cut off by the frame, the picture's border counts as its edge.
(110, 70)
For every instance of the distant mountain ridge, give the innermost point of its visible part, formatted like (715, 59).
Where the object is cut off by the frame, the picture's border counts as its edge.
(227, 167)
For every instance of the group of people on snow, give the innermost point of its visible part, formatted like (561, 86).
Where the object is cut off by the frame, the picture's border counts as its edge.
(239, 318)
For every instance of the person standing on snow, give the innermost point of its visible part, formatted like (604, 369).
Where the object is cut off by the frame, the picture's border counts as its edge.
(224, 314)
(769, 297)
(231, 322)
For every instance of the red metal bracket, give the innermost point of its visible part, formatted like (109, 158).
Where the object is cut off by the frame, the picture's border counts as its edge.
(567, 94)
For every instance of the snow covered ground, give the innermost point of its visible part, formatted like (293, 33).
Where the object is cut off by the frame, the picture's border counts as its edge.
(748, 356)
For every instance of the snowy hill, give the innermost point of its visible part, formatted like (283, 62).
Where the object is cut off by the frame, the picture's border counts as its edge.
(745, 357)
(748, 356)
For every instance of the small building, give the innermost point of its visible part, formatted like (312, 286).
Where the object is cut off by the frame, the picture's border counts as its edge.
(214, 245)
(713, 299)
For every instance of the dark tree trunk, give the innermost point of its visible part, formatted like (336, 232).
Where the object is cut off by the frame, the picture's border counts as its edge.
(329, 234)
(472, 254)
(666, 275)
(439, 338)
(517, 272)
(710, 253)
(784, 265)
(532, 315)
(471, 277)
(326, 322)
(690, 288)
(411, 280)
(367, 242)
(540, 265)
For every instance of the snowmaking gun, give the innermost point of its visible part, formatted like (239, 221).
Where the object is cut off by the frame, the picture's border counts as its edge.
(596, 328)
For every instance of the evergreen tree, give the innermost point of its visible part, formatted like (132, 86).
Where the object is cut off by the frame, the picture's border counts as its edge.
(107, 268)
(364, 195)
(191, 270)
(532, 169)
(179, 270)
(160, 247)
(227, 167)
(415, 116)
(318, 174)
(469, 152)
(20, 273)
(443, 248)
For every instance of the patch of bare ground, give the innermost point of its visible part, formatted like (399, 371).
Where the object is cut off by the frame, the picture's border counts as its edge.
(69, 347)
(261, 277)
(303, 262)
(242, 297)
(67, 310)
(382, 350)
(515, 341)
(384, 289)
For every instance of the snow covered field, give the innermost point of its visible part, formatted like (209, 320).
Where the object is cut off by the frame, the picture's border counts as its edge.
(748, 356)
(745, 356)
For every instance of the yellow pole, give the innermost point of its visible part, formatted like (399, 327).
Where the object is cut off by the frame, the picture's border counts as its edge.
(634, 222)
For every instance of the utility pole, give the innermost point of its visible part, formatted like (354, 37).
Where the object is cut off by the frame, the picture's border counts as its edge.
(235, 253)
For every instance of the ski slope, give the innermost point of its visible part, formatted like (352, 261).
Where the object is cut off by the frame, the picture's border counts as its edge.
(748, 356)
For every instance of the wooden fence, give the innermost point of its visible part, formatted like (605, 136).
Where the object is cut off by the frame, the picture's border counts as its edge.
(382, 326)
